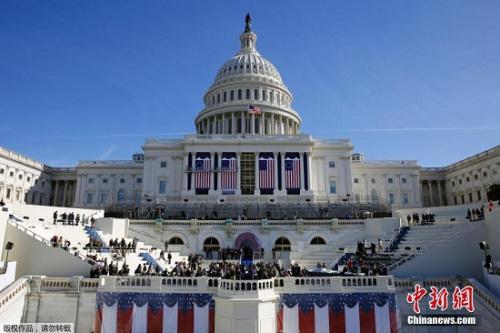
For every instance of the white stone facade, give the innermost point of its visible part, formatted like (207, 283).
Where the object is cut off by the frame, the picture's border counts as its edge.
(466, 181)
(22, 179)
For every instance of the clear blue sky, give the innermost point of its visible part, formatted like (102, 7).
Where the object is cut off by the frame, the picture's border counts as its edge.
(92, 79)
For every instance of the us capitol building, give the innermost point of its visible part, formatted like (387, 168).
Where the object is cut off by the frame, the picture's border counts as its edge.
(248, 147)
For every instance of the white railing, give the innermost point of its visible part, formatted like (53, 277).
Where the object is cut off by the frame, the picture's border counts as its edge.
(325, 222)
(488, 299)
(235, 287)
(13, 292)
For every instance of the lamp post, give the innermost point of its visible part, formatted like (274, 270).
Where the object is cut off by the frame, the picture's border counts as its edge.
(9, 246)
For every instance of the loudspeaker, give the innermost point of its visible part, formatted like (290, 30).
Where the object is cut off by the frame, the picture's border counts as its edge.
(9, 246)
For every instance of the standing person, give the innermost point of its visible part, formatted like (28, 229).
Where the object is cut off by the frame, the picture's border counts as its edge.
(77, 219)
(379, 245)
(169, 257)
(408, 218)
(55, 217)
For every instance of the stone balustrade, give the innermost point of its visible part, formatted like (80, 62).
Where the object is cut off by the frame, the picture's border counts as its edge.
(246, 289)
(13, 292)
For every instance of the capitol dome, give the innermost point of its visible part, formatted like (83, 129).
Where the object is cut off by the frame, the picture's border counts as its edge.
(248, 96)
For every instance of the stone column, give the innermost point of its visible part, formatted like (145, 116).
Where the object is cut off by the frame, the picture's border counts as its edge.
(273, 125)
(185, 175)
(430, 193)
(283, 172)
(98, 194)
(77, 190)
(302, 175)
(56, 193)
(365, 181)
(223, 123)
(113, 189)
(275, 155)
(308, 174)
(256, 185)
(440, 195)
(252, 124)
(238, 176)
(212, 178)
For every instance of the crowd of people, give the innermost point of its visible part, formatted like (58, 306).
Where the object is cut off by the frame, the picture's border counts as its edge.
(67, 218)
(475, 214)
(424, 218)
(58, 241)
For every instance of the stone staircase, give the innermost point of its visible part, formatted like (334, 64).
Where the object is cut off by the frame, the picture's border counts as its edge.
(420, 238)
(79, 236)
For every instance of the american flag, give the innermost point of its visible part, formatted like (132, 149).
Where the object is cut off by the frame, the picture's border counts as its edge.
(229, 172)
(202, 172)
(266, 172)
(252, 109)
(292, 172)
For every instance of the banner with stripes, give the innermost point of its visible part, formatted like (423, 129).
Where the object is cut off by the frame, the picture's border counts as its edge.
(202, 165)
(154, 313)
(266, 171)
(228, 173)
(292, 171)
(337, 313)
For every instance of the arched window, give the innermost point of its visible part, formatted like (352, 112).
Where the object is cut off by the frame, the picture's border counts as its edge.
(211, 244)
(176, 241)
(318, 241)
(120, 196)
(282, 244)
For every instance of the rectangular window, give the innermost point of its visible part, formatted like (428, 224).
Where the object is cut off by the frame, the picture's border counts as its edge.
(28, 179)
(91, 180)
(163, 164)
(333, 187)
(478, 195)
(470, 197)
(476, 176)
(2, 171)
(239, 94)
(218, 98)
(485, 174)
(163, 187)
(232, 95)
(248, 94)
(264, 95)
(271, 96)
(357, 197)
(12, 174)
(453, 184)
(391, 198)
(356, 180)
(104, 198)
(105, 180)
(463, 198)
(20, 177)
(406, 198)
(403, 180)
(467, 179)
(455, 200)
(256, 94)
(138, 197)
(331, 164)
(390, 180)
(460, 181)
(8, 193)
(89, 198)
(138, 180)
(225, 96)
